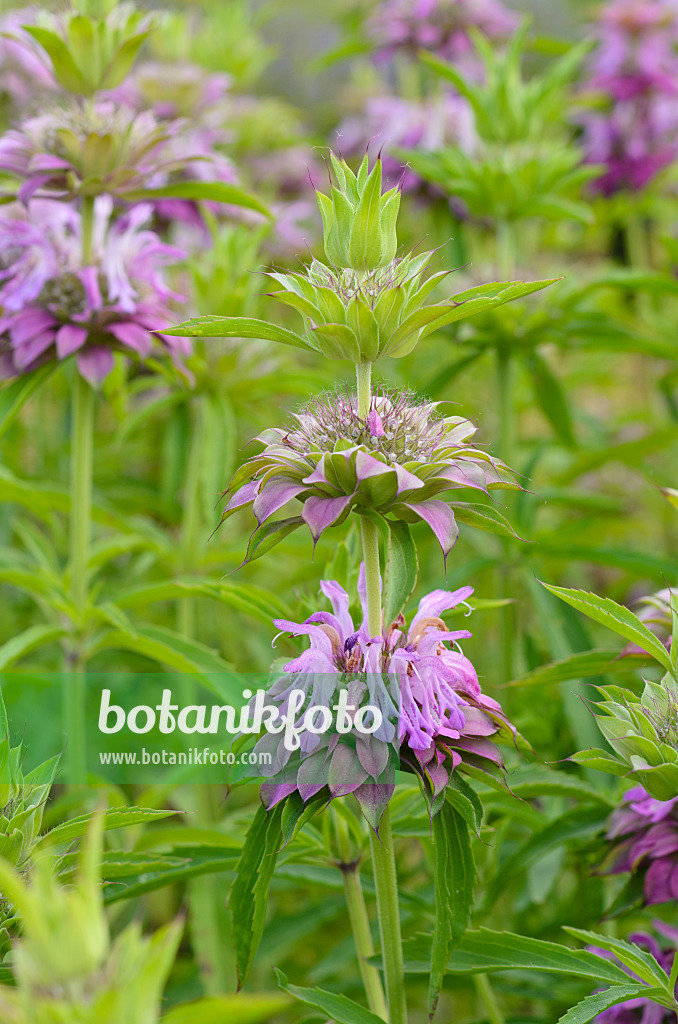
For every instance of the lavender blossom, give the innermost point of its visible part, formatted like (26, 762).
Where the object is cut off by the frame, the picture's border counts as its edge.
(635, 72)
(645, 836)
(643, 1011)
(441, 26)
(395, 123)
(396, 461)
(53, 306)
(438, 719)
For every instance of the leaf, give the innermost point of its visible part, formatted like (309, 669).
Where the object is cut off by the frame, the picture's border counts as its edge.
(638, 960)
(483, 951)
(193, 862)
(339, 1008)
(119, 817)
(30, 640)
(601, 760)
(551, 398)
(454, 879)
(484, 517)
(401, 570)
(249, 893)
(588, 1009)
(236, 327)
(167, 647)
(617, 618)
(245, 1009)
(465, 800)
(215, 191)
(267, 536)
(244, 597)
(65, 67)
(582, 665)
(13, 396)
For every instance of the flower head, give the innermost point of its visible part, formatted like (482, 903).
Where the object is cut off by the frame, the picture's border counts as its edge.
(645, 836)
(436, 718)
(53, 306)
(634, 70)
(395, 461)
(441, 26)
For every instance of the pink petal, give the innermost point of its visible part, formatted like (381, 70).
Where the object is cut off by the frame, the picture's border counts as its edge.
(69, 339)
(132, 335)
(95, 364)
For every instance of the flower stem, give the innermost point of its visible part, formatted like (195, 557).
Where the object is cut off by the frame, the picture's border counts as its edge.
(364, 375)
(360, 922)
(87, 230)
(80, 530)
(488, 998)
(386, 885)
(370, 536)
(505, 384)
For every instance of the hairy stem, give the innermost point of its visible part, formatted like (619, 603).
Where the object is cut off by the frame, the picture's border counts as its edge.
(360, 922)
(386, 885)
(80, 531)
(364, 375)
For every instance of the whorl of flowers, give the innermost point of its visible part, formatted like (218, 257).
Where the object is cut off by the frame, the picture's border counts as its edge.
(436, 717)
(441, 26)
(645, 834)
(398, 123)
(635, 71)
(396, 461)
(643, 1011)
(53, 306)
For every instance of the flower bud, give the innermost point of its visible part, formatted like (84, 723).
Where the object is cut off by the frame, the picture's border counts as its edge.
(359, 222)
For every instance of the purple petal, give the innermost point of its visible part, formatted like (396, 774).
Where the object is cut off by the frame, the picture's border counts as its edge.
(319, 513)
(27, 353)
(244, 495)
(90, 282)
(31, 186)
(440, 518)
(367, 466)
(407, 481)
(69, 339)
(132, 335)
(272, 793)
(439, 601)
(340, 603)
(95, 364)
(273, 495)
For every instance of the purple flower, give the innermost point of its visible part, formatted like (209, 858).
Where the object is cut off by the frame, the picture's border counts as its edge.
(441, 26)
(174, 90)
(396, 123)
(642, 1011)
(436, 717)
(634, 71)
(645, 836)
(24, 74)
(53, 306)
(334, 460)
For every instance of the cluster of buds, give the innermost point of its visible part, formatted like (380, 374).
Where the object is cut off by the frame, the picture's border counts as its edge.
(66, 965)
(643, 733)
(365, 302)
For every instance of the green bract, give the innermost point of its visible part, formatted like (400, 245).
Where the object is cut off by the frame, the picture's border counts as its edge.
(359, 223)
(362, 317)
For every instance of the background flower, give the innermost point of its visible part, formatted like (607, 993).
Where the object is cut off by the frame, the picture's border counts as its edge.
(645, 834)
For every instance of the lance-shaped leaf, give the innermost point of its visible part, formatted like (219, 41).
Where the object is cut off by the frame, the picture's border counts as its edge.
(400, 577)
(236, 327)
(339, 1008)
(215, 191)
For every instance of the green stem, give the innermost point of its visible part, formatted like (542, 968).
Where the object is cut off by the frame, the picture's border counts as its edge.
(364, 375)
(360, 922)
(505, 253)
(506, 446)
(370, 537)
(80, 531)
(87, 230)
(386, 885)
(190, 524)
(489, 1000)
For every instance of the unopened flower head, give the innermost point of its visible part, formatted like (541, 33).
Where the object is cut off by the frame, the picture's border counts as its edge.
(54, 306)
(644, 832)
(436, 717)
(397, 461)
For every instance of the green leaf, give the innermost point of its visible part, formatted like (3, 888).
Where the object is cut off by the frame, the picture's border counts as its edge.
(588, 1009)
(601, 760)
(551, 398)
(119, 817)
(215, 191)
(120, 65)
(465, 800)
(187, 863)
(249, 894)
(244, 597)
(454, 880)
(65, 68)
(483, 951)
(582, 665)
(245, 1009)
(30, 640)
(339, 1008)
(236, 327)
(400, 577)
(165, 646)
(617, 618)
(638, 960)
(13, 396)
(484, 517)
